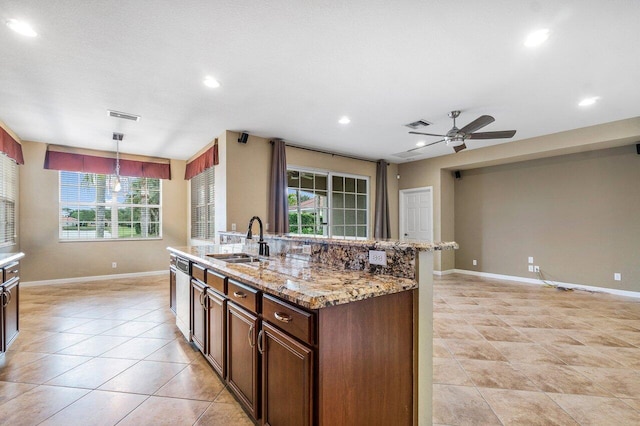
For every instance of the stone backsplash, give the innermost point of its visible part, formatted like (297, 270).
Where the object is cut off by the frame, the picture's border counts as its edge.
(350, 255)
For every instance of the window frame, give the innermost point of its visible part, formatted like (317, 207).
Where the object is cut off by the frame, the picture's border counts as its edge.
(330, 208)
(8, 201)
(209, 193)
(113, 205)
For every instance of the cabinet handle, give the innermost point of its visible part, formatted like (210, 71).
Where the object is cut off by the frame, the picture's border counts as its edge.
(260, 337)
(250, 336)
(15, 271)
(239, 294)
(202, 300)
(7, 298)
(283, 317)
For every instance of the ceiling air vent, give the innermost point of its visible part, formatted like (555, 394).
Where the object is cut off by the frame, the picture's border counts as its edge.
(123, 115)
(418, 124)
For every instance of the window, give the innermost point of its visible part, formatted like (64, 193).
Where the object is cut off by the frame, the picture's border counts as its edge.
(202, 205)
(328, 204)
(89, 210)
(8, 193)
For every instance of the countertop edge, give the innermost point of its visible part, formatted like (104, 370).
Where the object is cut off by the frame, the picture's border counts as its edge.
(306, 301)
(10, 257)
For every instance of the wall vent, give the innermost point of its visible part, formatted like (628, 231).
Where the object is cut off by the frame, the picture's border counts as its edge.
(418, 124)
(123, 115)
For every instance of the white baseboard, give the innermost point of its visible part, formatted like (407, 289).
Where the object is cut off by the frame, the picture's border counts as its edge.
(90, 278)
(536, 281)
(447, 272)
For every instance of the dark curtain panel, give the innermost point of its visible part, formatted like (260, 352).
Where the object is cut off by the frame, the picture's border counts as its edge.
(278, 200)
(382, 227)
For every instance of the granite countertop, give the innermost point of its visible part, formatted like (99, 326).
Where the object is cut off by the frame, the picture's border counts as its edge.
(311, 285)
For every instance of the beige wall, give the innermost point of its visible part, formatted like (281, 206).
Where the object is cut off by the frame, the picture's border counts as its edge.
(577, 215)
(436, 172)
(248, 174)
(47, 258)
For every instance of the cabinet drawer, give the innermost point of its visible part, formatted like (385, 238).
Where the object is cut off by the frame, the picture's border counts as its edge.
(11, 270)
(298, 323)
(243, 295)
(197, 272)
(217, 282)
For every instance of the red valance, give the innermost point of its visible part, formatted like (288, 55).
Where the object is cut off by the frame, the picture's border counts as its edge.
(207, 159)
(75, 162)
(11, 147)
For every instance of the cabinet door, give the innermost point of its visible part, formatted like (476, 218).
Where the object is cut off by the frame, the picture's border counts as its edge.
(216, 331)
(198, 314)
(242, 357)
(172, 289)
(10, 302)
(287, 379)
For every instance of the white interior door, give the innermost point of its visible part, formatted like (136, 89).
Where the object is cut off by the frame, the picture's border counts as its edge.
(416, 214)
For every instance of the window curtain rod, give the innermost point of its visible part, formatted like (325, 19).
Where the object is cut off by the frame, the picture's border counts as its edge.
(330, 153)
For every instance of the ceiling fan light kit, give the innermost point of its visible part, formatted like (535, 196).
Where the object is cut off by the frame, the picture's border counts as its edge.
(456, 138)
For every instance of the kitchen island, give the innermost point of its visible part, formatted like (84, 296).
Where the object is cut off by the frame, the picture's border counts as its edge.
(317, 338)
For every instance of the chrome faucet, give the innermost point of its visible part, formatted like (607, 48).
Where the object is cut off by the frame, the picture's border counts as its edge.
(263, 250)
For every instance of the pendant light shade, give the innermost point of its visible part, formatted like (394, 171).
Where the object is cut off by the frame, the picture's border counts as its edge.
(117, 186)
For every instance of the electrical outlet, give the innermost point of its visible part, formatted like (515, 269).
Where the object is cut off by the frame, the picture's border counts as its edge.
(530, 268)
(233, 227)
(266, 226)
(306, 249)
(536, 268)
(114, 265)
(530, 259)
(378, 257)
(475, 262)
(617, 276)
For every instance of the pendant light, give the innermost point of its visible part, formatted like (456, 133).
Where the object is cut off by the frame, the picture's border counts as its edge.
(116, 183)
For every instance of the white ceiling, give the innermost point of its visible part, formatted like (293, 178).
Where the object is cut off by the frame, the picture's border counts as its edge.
(291, 69)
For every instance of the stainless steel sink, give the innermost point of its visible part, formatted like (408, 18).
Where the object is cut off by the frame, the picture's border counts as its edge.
(235, 257)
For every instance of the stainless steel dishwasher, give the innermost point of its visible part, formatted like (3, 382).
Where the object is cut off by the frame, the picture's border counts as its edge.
(183, 287)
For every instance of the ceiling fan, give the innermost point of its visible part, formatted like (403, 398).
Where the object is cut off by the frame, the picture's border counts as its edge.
(455, 137)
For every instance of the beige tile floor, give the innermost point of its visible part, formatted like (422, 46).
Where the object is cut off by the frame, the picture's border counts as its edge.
(516, 354)
(107, 352)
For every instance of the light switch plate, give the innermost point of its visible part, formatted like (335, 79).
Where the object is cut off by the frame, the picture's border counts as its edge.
(530, 259)
(530, 268)
(617, 276)
(378, 257)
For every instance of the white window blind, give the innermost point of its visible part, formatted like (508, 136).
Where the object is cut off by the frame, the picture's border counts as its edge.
(328, 204)
(8, 195)
(203, 205)
(89, 210)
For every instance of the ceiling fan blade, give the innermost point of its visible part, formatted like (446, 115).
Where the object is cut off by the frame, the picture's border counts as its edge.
(477, 124)
(427, 134)
(424, 146)
(459, 148)
(492, 135)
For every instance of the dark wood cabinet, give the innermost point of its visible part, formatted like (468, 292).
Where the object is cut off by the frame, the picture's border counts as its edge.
(348, 364)
(172, 289)
(216, 322)
(198, 308)
(242, 357)
(9, 305)
(287, 379)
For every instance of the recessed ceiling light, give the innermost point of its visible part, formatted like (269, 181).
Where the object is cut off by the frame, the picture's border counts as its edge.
(589, 101)
(344, 120)
(21, 27)
(211, 82)
(421, 143)
(536, 38)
